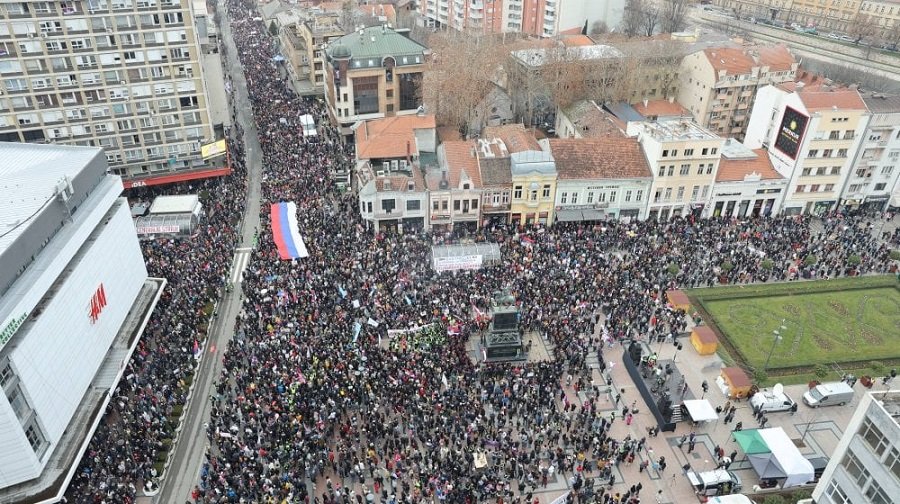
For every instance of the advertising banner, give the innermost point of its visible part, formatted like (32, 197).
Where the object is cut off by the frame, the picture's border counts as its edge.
(790, 132)
(469, 262)
(145, 230)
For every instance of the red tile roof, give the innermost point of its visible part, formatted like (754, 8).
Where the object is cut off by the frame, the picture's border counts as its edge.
(599, 158)
(660, 108)
(377, 10)
(842, 99)
(515, 136)
(734, 170)
(778, 58)
(732, 60)
(577, 40)
(388, 137)
(460, 156)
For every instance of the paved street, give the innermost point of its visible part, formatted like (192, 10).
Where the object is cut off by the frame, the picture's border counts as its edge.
(190, 450)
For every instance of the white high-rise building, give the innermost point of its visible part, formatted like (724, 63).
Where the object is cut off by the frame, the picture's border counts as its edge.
(865, 467)
(74, 298)
(124, 75)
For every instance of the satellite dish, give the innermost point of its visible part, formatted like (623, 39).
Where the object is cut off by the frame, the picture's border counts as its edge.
(778, 389)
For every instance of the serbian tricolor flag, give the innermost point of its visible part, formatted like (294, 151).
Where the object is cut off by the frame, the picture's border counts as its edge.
(285, 232)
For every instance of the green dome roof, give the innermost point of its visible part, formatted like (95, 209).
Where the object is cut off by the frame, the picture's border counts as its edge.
(340, 51)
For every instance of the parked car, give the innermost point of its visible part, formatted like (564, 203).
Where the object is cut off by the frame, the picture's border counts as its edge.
(819, 464)
(773, 401)
(828, 394)
(834, 36)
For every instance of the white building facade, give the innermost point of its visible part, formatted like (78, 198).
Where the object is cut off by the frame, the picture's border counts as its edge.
(865, 466)
(61, 311)
(746, 184)
(877, 166)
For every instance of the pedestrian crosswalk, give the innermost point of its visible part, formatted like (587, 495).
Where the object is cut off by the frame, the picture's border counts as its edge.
(241, 259)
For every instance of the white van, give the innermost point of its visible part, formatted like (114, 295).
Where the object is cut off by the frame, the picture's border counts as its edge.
(776, 400)
(718, 482)
(828, 394)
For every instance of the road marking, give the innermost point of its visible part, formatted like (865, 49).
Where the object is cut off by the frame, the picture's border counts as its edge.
(241, 259)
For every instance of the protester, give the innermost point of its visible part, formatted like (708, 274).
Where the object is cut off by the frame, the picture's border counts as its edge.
(317, 402)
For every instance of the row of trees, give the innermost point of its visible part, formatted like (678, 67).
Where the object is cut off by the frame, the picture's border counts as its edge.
(647, 17)
(465, 68)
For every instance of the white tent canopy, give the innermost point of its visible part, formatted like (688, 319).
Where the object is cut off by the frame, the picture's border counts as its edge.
(700, 410)
(797, 469)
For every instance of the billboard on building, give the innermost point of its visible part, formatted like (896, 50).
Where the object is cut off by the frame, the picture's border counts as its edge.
(790, 132)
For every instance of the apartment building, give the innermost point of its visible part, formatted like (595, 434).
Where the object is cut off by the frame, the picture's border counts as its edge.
(812, 135)
(496, 180)
(600, 178)
(747, 185)
(124, 75)
(865, 466)
(718, 85)
(540, 18)
(532, 175)
(454, 188)
(875, 172)
(394, 203)
(826, 16)
(684, 158)
(304, 42)
(372, 73)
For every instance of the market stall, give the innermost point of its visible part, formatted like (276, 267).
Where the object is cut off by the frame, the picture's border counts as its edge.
(704, 340)
(734, 382)
(699, 410)
(775, 457)
(678, 299)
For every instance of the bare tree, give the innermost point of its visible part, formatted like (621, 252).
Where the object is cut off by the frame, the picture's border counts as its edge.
(598, 28)
(674, 12)
(461, 72)
(632, 18)
(892, 35)
(862, 26)
(650, 16)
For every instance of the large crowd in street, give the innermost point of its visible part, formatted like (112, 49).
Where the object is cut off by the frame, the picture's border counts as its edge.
(315, 405)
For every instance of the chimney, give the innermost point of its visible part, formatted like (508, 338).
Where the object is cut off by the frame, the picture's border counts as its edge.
(444, 184)
(671, 99)
(408, 153)
(645, 102)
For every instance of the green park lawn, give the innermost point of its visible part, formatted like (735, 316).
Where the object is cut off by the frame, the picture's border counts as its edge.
(859, 321)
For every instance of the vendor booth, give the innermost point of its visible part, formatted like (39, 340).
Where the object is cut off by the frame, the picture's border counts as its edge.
(734, 383)
(704, 340)
(774, 457)
(699, 410)
(678, 299)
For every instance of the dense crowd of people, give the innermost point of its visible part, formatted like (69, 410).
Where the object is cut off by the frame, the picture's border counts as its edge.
(315, 405)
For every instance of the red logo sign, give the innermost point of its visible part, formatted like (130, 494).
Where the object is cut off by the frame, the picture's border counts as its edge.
(98, 302)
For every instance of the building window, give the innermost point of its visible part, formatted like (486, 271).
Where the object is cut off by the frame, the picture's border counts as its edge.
(671, 170)
(826, 153)
(36, 438)
(694, 192)
(628, 196)
(388, 205)
(668, 196)
(685, 169)
(601, 198)
(574, 198)
(713, 151)
(874, 437)
(435, 205)
(880, 186)
(709, 169)
(887, 170)
(834, 135)
(365, 95)
(801, 188)
(612, 196)
(688, 152)
(680, 195)
(829, 187)
(813, 153)
(6, 374)
(814, 188)
(413, 205)
(836, 494)
(665, 153)
(700, 168)
(705, 191)
(638, 196)
(842, 153)
(563, 199)
(835, 170)
(662, 171)
(475, 204)
(505, 197)
(705, 151)
(517, 193)
(456, 205)
(534, 195)
(590, 197)
(876, 494)
(546, 193)
(892, 462)
(820, 170)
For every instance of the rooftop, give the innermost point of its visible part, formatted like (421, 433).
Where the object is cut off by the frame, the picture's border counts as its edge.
(599, 158)
(592, 121)
(369, 46)
(890, 401)
(385, 12)
(461, 162)
(835, 99)
(736, 61)
(879, 103)
(389, 137)
(29, 176)
(678, 129)
(660, 108)
(514, 136)
(539, 56)
(739, 162)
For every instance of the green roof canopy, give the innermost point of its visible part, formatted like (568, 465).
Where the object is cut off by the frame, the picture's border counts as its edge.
(751, 442)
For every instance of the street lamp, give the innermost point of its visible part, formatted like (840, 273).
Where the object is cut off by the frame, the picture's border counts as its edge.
(777, 334)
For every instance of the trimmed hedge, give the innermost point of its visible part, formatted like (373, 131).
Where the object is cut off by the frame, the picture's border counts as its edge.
(797, 287)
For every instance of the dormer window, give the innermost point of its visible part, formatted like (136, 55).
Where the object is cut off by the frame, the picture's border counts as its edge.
(466, 186)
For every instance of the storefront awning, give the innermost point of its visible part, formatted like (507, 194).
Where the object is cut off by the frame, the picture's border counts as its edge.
(569, 216)
(592, 214)
(176, 177)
